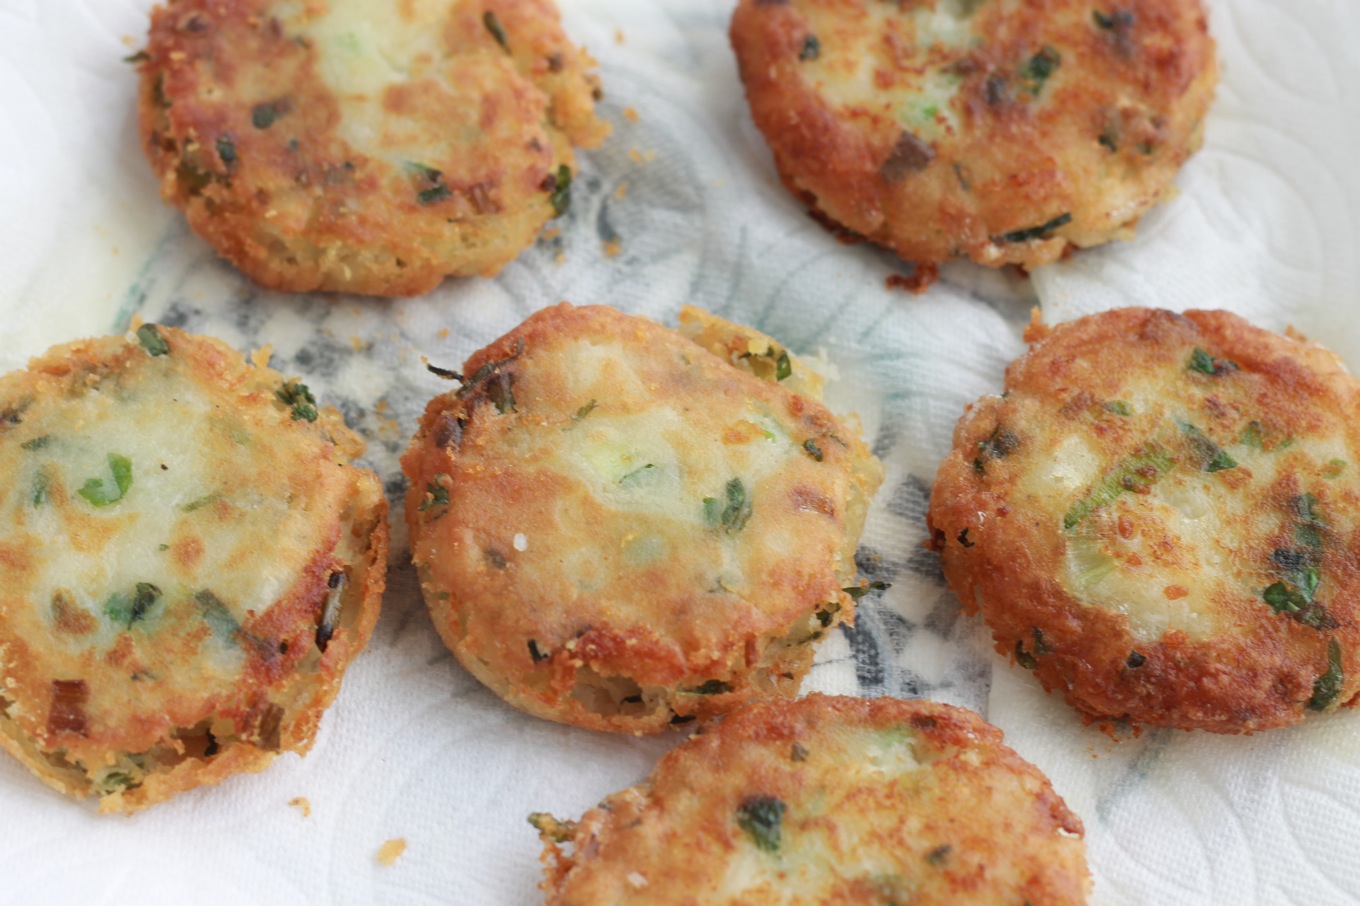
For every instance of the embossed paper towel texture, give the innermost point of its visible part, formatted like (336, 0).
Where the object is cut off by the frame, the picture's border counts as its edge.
(687, 196)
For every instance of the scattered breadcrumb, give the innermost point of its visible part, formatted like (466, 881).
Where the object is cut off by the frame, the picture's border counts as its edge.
(618, 36)
(631, 114)
(613, 248)
(641, 157)
(391, 851)
(550, 235)
(621, 191)
(302, 805)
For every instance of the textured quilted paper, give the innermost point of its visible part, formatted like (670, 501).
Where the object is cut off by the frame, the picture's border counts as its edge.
(414, 748)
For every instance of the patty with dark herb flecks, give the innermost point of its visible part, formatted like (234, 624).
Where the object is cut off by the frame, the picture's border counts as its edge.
(188, 563)
(365, 147)
(1002, 131)
(625, 527)
(1161, 519)
(827, 800)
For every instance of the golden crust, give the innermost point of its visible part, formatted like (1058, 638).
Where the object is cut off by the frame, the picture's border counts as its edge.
(187, 565)
(827, 800)
(1000, 131)
(1161, 518)
(618, 529)
(298, 151)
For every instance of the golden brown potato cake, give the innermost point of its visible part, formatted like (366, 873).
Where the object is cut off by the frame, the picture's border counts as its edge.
(188, 563)
(1161, 519)
(618, 528)
(1003, 131)
(365, 147)
(827, 800)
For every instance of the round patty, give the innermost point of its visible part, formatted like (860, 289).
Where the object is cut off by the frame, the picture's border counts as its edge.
(822, 801)
(1161, 519)
(618, 528)
(188, 563)
(997, 130)
(365, 147)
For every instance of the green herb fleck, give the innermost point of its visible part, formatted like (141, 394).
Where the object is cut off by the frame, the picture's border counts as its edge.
(433, 194)
(493, 25)
(1328, 685)
(1251, 435)
(1204, 363)
(152, 341)
(1334, 468)
(735, 513)
(126, 609)
(98, 491)
(38, 443)
(1211, 456)
(436, 495)
(1036, 232)
(296, 395)
(262, 116)
(560, 199)
(1024, 658)
(783, 367)
(216, 614)
(1134, 474)
(858, 591)
(226, 149)
(813, 450)
(42, 483)
(711, 687)
(140, 56)
(761, 818)
(939, 855)
(200, 503)
(1119, 407)
(1002, 442)
(635, 476)
(812, 49)
(1035, 73)
(586, 410)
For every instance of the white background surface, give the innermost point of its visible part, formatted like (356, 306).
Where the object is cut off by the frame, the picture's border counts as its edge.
(1265, 226)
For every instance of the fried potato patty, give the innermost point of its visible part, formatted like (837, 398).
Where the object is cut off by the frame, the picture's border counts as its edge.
(188, 563)
(827, 800)
(617, 528)
(1003, 131)
(1161, 519)
(365, 147)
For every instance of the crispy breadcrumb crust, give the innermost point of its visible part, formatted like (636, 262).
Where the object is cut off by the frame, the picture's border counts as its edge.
(827, 800)
(214, 662)
(1005, 132)
(368, 151)
(616, 528)
(1161, 519)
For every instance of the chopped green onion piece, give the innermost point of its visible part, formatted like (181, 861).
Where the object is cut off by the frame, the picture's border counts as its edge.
(493, 25)
(560, 199)
(296, 395)
(1328, 685)
(1135, 473)
(1204, 363)
(98, 492)
(152, 341)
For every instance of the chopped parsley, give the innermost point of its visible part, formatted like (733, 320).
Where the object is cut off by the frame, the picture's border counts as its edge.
(761, 817)
(436, 495)
(1119, 407)
(1328, 685)
(152, 341)
(125, 610)
(99, 492)
(42, 483)
(586, 410)
(296, 395)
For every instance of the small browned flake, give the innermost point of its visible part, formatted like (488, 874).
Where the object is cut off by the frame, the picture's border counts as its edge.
(67, 714)
(391, 851)
(910, 155)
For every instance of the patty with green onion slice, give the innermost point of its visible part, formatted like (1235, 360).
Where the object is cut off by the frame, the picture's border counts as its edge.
(365, 147)
(1160, 518)
(625, 527)
(1001, 131)
(827, 800)
(189, 561)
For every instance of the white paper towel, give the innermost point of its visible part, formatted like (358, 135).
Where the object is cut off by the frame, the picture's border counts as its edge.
(414, 748)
